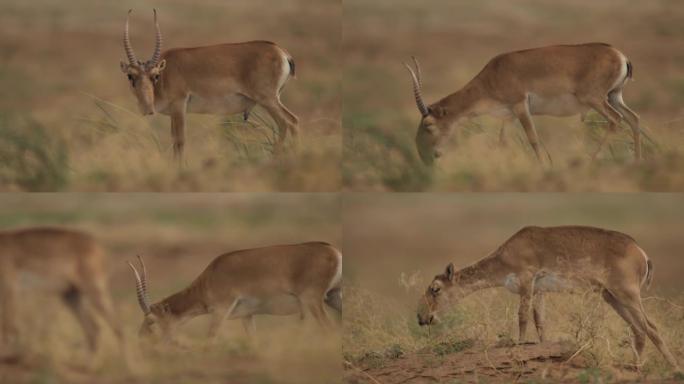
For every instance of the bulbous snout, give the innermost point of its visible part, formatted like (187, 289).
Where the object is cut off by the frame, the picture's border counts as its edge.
(425, 320)
(146, 109)
(426, 145)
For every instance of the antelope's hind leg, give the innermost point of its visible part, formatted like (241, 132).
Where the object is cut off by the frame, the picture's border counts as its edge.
(605, 109)
(522, 112)
(631, 301)
(615, 99)
(639, 336)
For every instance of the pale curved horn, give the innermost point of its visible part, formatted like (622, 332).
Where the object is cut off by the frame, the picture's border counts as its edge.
(419, 73)
(158, 42)
(417, 89)
(144, 275)
(127, 42)
(140, 290)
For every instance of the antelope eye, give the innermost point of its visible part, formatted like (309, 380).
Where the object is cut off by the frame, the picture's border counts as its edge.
(130, 78)
(155, 78)
(434, 290)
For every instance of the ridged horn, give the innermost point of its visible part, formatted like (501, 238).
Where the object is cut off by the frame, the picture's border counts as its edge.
(127, 42)
(158, 42)
(417, 88)
(141, 287)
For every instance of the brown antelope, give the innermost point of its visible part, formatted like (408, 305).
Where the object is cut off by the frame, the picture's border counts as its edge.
(66, 262)
(218, 79)
(559, 80)
(274, 280)
(537, 260)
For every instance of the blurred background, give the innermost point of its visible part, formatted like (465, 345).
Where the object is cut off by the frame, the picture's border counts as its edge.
(394, 244)
(453, 40)
(390, 234)
(178, 235)
(68, 120)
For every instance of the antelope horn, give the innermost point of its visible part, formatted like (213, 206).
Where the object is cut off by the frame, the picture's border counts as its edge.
(417, 89)
(419, 73)
(127, 42)
(144, 274)
(140, 290)
(158, 42)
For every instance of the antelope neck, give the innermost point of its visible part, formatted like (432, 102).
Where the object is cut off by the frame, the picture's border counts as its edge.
(486, 273)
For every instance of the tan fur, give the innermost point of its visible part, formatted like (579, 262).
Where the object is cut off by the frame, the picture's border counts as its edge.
(277, 280)
(218, 79)
(559, 80)
(71, 263)
(608, 261)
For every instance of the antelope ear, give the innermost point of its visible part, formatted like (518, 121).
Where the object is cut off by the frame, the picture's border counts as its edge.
(437, 111)
(124, 67)
(450, 271)
(161, 65)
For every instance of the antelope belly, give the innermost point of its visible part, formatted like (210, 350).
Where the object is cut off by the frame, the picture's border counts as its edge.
(556, 105)
(543, 282)
(218, 105)
(281, 304)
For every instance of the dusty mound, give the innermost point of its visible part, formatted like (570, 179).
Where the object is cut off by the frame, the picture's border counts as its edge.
(549, 360)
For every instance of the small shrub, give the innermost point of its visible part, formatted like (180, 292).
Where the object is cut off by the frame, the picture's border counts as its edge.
(30, 157)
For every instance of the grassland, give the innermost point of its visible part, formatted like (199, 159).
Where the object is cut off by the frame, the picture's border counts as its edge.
(178, 235)
(69, 122)
(395, 244)
(453, 41)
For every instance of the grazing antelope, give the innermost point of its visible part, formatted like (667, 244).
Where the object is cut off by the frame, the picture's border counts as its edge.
(216, 79)
(66, 262)
(274, 280)
(559, 80)
(537, 260)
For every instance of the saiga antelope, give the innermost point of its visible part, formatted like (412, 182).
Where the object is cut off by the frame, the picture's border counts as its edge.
(219, 79)
(69, 263)
(537, 260)
(274, 280)
(559, 80)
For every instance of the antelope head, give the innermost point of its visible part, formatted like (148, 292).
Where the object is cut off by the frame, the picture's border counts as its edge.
(143, 76)
(437, 296)
(434, 128)
(156, 323)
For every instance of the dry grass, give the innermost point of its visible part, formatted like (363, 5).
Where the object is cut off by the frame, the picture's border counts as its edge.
(379, 329)
(178, 234)
(453, 41)
(60, 72)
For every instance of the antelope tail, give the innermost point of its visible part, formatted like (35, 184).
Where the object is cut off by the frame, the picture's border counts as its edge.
(649, 273)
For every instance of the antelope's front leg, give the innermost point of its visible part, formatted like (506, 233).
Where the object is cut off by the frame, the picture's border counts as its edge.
(178, 132)
(7, 301)
(249, 325)
(538, 313)
(526, 289)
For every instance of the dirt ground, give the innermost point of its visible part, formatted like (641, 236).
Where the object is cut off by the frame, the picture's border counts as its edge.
(551, 362)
